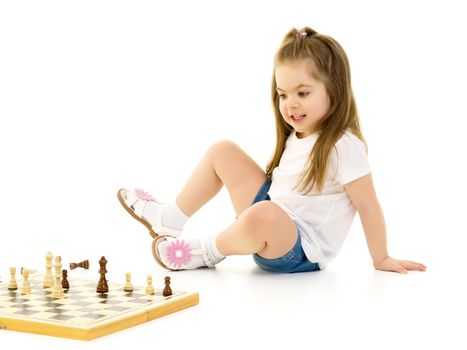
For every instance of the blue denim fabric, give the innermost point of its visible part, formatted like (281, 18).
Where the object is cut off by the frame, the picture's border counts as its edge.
(295, 260)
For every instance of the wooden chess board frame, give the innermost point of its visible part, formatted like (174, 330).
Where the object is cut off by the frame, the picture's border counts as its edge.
(147, 308)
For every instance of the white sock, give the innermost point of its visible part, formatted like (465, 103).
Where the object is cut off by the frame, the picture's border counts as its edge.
(172, 216)
(177, 253)
(214, 253)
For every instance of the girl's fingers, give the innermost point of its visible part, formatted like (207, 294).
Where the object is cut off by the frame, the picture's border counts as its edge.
(411, 265)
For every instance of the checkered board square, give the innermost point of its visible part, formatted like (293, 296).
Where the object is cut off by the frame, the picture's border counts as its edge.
(82, 313)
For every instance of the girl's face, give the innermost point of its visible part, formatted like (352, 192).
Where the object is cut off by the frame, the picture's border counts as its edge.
(303, 100)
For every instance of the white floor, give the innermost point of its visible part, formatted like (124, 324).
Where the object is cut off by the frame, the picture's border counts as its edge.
(241, 306)
(96, 95)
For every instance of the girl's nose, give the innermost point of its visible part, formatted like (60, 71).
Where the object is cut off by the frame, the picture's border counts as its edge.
(292, 103)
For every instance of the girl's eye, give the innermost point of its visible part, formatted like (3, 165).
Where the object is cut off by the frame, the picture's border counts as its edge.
(303, 93)
(281, 96)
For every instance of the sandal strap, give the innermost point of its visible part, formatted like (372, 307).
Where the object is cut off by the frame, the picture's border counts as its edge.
(156, 254)
(204, 253)
(138, 204)
(166, 231)
(133, 201)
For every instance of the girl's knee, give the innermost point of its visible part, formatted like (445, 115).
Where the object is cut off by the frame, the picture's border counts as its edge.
(222, 151)
(272, 225)
(222, 146)
(262, 216)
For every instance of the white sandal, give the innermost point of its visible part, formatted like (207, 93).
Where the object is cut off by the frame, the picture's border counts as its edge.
(134, 203)
(179, 254)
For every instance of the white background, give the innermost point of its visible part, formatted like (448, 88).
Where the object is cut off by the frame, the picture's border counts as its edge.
(98, 95)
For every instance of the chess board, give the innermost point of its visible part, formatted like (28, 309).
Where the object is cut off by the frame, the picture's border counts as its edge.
(83, 313)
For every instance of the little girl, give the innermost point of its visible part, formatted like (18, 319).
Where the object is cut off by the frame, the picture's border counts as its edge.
(294, 216)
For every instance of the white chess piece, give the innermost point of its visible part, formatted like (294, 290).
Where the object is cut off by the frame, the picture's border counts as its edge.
(48, 278)
(26, 289)
(12, 285)
(128, 286)
(149, 287)
(57, 291)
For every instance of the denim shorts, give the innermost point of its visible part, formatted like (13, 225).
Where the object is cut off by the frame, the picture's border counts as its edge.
(293, 261)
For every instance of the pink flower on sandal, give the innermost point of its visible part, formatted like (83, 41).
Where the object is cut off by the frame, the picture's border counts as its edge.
(141, 194)
(179, 253)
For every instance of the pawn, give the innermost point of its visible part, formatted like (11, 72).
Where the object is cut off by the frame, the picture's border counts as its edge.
(12, 285)
(128, 286)
(149, 287)
(167, 290)
(26, 289)
(65, 284)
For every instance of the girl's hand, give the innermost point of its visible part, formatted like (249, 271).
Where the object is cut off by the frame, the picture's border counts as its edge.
(401, 266)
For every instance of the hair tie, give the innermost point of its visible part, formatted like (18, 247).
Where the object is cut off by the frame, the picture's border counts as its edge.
(302, 34)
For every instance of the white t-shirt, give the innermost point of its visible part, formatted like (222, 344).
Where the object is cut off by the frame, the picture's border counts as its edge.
(323, 219)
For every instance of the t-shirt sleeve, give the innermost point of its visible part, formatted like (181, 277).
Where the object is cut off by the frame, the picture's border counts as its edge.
(350, 159)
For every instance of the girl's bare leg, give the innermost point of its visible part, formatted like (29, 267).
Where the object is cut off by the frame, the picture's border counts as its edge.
(223, 164)
(263, 228)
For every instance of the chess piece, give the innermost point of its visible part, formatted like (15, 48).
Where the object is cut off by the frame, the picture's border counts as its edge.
(57, 291)
(149, 287)
(12, 285)
(128, 286)
(83, 264)
(48, 279)
(167, 290)
(26, 289)
(102, 286)
(31, 271)
(65, 284)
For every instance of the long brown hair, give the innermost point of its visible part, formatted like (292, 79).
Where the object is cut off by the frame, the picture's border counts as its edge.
(331, 66)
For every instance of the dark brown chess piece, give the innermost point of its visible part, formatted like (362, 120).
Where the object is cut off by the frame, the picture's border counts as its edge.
(84, 264)
(102, 286)
(65, 284)
(167, 291)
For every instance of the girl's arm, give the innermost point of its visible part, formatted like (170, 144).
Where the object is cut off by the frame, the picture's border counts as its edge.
(363, 196)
